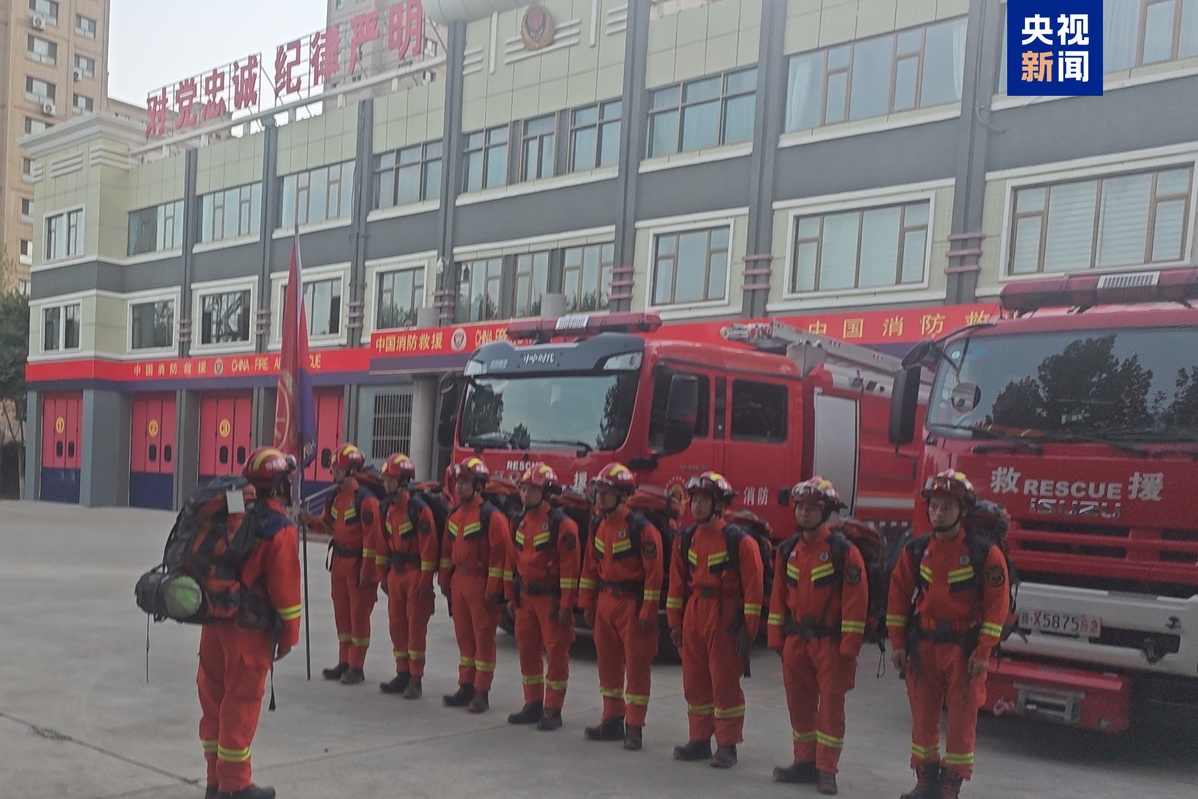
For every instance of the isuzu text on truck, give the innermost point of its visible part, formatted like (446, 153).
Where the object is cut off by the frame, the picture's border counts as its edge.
(1078, 411)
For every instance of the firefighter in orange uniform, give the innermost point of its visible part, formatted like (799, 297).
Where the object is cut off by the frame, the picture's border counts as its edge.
(406, 561)
(954, 621)
(236, 655)
(542, 585)
(353, 518)
(817, 625)
(472, 577)
(620, 592)
(714, 609)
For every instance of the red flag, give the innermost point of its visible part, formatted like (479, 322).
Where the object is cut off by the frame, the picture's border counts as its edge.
(295, 418)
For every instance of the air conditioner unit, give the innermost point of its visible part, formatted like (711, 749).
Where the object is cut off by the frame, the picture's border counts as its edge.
(39, 23)
(48, 107)
(77, 74)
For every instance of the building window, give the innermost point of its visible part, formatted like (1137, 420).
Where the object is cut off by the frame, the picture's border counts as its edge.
(868, 248)
(532, 281)
(36, 125)
(392, 428)
(586, 277)
(26, 250)
(26, 167)
(536, 148)
(156, 229)
(401, 294)
(322, 305)
(759, 412)
(485, 163)
(153, 325)
(1117, 220)
(86, 66)
(46, 9)
(408, 175)
(64, 236)
(85, 26)
(308, 198)
(83, 104)
(231, 213)
(691, 266)
(42, 51)
(595, 136)
(702, 113)
(482, 281)
(60, 327)
(225, 317)
(914, 68)
(26, 209)
(39, 91)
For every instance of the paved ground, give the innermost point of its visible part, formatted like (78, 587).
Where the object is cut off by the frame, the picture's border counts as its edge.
(79, 721)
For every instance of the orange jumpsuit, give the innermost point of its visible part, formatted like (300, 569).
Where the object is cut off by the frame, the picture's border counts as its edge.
(819, 661)
(355, 588)
(952, 600)
(234, 661)
(547, 573)
(704, 600)
(472, 572)
(406, 559)
(628, 584)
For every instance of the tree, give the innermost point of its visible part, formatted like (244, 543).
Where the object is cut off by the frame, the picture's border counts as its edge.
(14, 352)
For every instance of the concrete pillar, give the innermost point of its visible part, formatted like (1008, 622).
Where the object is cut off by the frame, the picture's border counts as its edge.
(424, 426)
(33, 445)
(104, 460)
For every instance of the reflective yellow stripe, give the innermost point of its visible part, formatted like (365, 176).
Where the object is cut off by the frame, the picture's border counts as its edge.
(611, 693)
(446, 563)
(925, 752)
(483, 665)
(520, 539)
(453, 529)
(404, 528)
(350, 513)
(992, 629)
(287, 614)
(232, 755)
(637, 699)
(380, 560)
(802, 737)
(567, 583)
(958, 759)
(555, 685)
(414, 655)
(847, 626)
(895, 620)
(209, 747)
(752, 610)
(590, 585)
(541, 538)
(700, 710)
(792, 571)
(730, 712)
(471, 530)
(400, 654)
(776, 619)
(428, 565)
(367, 553)
(533, 679)
(333, 512)
(652, 596)
(507, 575)
(822, 571)
(717, 558)
(693, 557)
(828, 740)
(343, 637)
(674, 603)
(495, 571)
(599, 546)
(466, 662)
(960, 575)
(360, 641)
(925, 573)
(623, 545)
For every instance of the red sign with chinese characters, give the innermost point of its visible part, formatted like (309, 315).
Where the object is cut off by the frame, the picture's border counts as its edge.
(299, 69)
(452, 340)
(212, 367)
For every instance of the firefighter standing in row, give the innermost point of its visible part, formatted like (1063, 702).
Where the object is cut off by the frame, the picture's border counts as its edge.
(713, 611)
(406, 561)
(817, 625)
(235, 656)
(353, 518)
(542, 585)
(953, 616)
(472, 577)
(620, 592)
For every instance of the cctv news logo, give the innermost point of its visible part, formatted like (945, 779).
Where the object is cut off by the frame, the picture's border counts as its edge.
(1054, 48)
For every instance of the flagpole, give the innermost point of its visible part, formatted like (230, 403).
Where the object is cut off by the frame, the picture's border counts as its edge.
(297, 321)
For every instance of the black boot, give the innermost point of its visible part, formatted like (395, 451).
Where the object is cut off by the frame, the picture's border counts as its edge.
(414, 690)
(210, 791)
(336, 672)
(927, 782)
(804, 772)
(252, 792)
(460, 699)
(397, 685)
(480, 703)
(950, 785)
(551, 720)
(530, 714)
(693, 750)
(353, 677)
(607, 730)
(724, 757)
(826, 784)
(633, 739)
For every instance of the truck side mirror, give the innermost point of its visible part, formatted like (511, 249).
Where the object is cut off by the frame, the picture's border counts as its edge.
(682, 409)
(450, 391)
(904, 402)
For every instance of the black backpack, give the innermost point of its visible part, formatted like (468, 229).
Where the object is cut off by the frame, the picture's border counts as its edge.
(433, 497)
(556, 517)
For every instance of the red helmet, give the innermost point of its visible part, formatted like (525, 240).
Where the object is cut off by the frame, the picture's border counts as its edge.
(817, 491)
(715, 484)
(266, 468)
(472, 468)
(348, 457)
(543, 477)
(617, 477)
(399, 466)
(953, 483)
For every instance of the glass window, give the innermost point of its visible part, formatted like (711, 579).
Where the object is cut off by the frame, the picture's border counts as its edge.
(85, 26)
(37, 90)
(536, 159)
(759, 411)
(702, 113)
(401, 294)
(408, 175)
(231, 213)
(46, 9)
(482, 284)
(691, 266)
(1118, 220)
(156, 229)
(26, 207)
(36, 125)
(322, 305)
(532, 281)
(41, 51)
(485, 159)
(51, 329)
(661, 399)
(225, 317)
(868, 248)
(586, 277)
(318, 195)
(86, 66)
(83, 104)
(153, 324)
(595, 136)
(64, 236)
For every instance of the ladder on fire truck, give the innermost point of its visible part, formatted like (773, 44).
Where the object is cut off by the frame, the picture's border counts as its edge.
(862, 366)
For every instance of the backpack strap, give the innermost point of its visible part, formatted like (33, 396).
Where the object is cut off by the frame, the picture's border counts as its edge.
(686, 538)
(733, 535)
(416, 507)
(636, 528)
(360, 496)
(272, 524)
(916, 548)
(556, 517)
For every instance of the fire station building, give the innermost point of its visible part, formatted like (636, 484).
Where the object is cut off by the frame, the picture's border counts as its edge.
(854, 165)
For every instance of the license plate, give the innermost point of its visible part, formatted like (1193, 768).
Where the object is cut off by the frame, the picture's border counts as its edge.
(1047, 621)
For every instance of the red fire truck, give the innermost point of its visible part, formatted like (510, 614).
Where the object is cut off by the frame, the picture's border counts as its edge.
(1078, 411)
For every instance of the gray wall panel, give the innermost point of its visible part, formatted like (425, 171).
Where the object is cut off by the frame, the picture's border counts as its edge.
(694, 189)
(229, 262)
(544, 213)
(403, 235)
(107, 276)
(322, 247)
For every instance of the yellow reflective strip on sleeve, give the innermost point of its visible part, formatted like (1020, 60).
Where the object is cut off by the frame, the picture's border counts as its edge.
(652, 596)
(673, 603)
(567, 583)
(495, 572)
(287, 614)
(989, 628)
(587, 584)
(895, 620)
(428, 565)
(775, 619)
(752, 609)
(693, 557)
(847, 626)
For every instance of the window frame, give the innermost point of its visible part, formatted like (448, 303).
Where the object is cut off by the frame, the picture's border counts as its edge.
(86, 65)
(417, 295)
(47, 9)
(338, 183)
(542, 144)
(32, 95)
(49, 58)
(203, 291)
(486, 148)
(655, 260)
(87, 107)
(63, 317)
(606, 267)
(209, 206)
(602, 127)
(73, 233)
(167, 216)
(754, 388)
(133, 303)
(430, 176)
(82, 26)
(682, 103)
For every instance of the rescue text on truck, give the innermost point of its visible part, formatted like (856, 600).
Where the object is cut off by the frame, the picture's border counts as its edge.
(1078, 411)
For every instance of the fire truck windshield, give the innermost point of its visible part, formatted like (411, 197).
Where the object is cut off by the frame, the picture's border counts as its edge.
(581, 411)
(1131, 385)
